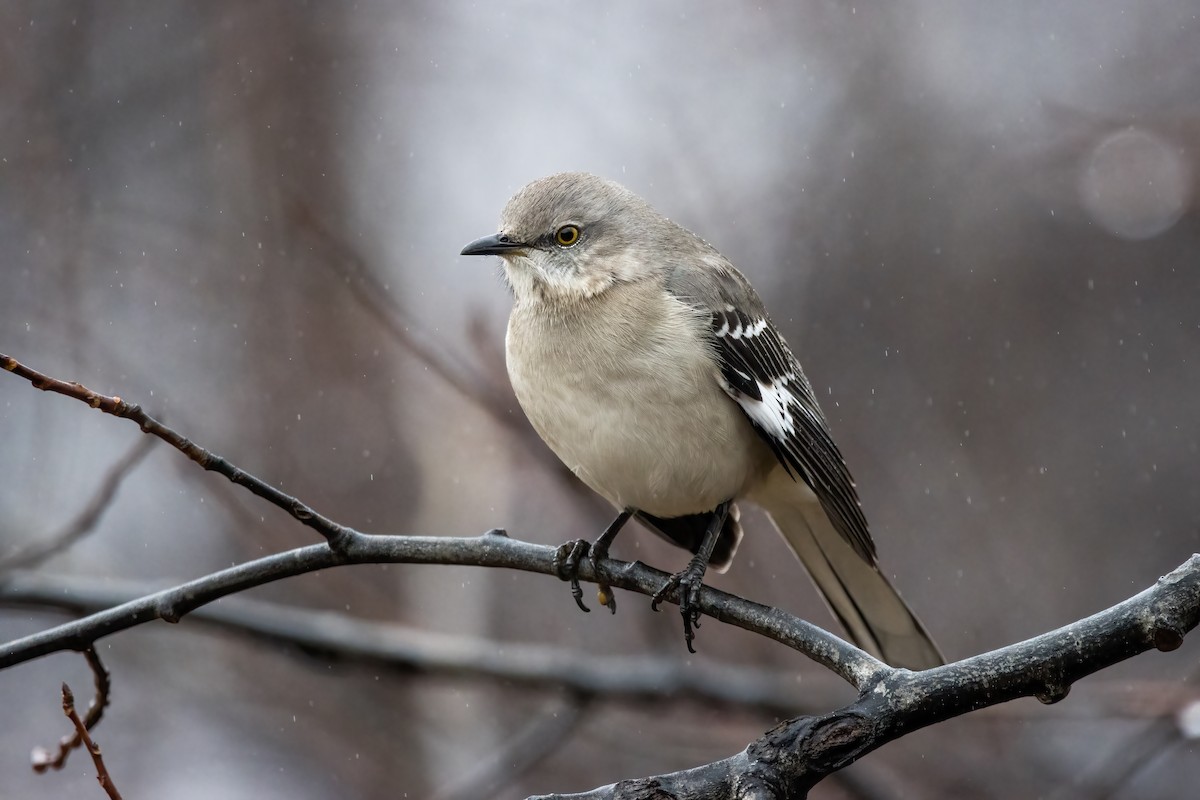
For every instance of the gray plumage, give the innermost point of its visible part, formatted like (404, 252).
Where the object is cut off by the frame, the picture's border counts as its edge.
(649, 365)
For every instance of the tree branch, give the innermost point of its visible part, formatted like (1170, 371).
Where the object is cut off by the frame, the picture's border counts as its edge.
(338, 636)
(81, 730)
(347, 546)
(492, 549)
(42, 759)
(790, 759)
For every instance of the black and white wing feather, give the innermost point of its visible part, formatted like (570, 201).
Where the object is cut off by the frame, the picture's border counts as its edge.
(762, 375)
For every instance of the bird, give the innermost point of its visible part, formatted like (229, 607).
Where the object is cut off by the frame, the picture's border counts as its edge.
(649, 365)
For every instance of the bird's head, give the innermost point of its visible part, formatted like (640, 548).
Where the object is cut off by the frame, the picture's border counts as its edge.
(571, 236)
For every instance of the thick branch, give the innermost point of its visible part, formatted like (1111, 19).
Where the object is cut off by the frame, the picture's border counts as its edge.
(789, 760)
(492, 549)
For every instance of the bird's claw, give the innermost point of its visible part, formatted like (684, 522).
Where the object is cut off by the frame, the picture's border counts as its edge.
(688, 583)
(566, 564)
(605, 596)
(567, 559)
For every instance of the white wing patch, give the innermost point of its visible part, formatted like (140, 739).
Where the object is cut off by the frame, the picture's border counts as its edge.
(773, 413)
(753, 329)
(739, 329)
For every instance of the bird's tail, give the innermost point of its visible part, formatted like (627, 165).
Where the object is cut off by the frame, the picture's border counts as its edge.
(872, 612)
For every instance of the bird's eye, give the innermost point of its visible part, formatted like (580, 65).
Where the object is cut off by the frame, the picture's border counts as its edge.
(567, 235)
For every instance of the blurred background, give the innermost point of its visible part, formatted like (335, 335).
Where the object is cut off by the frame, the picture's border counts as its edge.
(977, 226)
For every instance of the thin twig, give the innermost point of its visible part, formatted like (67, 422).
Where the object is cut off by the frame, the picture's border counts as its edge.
(42, 760)
(81, 730)
(332, 531)
(103, 684)
(39, 550)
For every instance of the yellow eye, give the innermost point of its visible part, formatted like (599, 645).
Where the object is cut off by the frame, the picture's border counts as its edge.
(567, 235)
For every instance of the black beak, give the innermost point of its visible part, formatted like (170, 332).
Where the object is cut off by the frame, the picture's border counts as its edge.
(497, 244)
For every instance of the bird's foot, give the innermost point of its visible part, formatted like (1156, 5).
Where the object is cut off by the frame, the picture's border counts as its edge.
(566, 565)
(688, 583)
(567, 559)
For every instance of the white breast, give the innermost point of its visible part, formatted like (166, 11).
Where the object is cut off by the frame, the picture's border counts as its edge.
(631, 402)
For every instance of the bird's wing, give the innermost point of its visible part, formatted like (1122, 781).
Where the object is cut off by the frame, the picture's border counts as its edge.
(760, 373)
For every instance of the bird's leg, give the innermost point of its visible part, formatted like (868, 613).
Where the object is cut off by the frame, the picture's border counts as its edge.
(568, 557)
(691, 578)
(599, 551)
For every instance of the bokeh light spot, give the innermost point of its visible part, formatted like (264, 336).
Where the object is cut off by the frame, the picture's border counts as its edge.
(1135, 184)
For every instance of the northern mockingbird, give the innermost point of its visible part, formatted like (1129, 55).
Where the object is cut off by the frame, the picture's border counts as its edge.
(648, 364)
